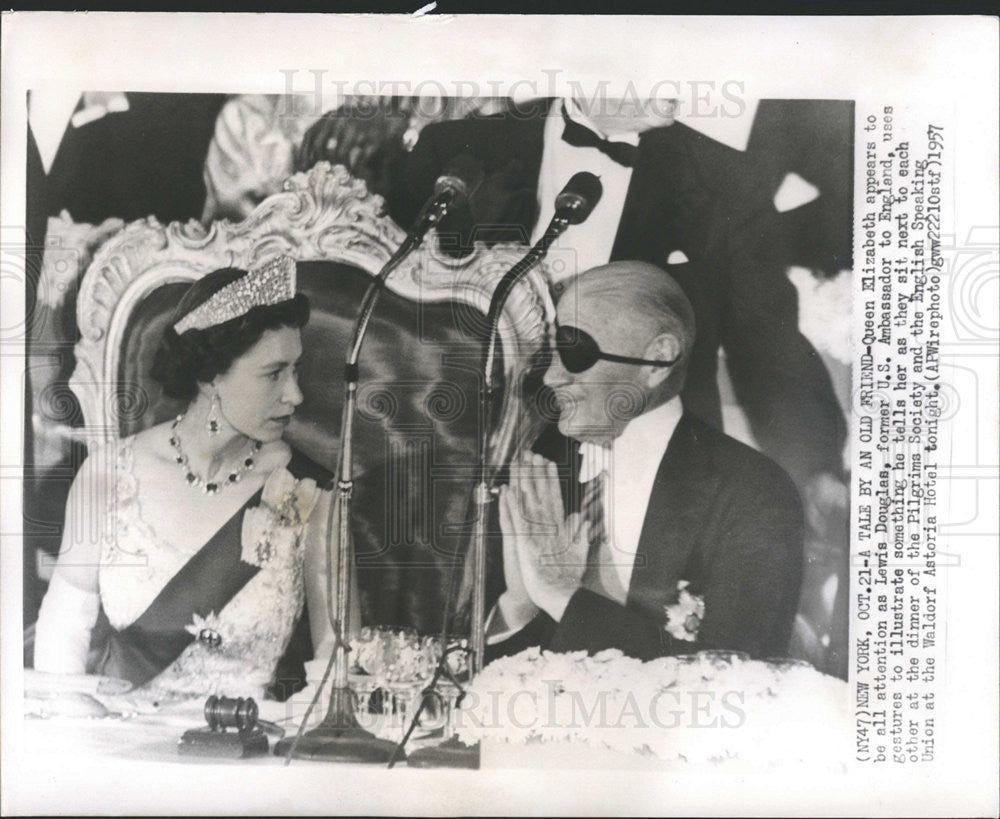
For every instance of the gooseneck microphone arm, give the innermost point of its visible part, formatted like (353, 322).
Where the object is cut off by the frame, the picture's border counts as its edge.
(573, 206)
(452, 189)
(432, 214)
(339, 736)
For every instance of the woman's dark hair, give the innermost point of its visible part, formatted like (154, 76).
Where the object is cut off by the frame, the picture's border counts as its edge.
(198, 356)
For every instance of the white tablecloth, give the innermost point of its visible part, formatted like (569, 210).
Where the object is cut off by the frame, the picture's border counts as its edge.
(122, 765)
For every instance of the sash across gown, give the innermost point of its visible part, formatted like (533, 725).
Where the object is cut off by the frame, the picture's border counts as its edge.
(206, 622)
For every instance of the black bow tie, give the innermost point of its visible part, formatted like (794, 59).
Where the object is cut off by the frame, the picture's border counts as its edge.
(579, 136)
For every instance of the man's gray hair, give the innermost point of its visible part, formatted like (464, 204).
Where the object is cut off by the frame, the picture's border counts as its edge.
(650, 293)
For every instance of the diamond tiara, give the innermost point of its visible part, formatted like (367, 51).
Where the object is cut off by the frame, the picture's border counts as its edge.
(270, 283)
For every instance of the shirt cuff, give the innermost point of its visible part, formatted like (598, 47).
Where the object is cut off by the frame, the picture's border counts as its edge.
(506, 619)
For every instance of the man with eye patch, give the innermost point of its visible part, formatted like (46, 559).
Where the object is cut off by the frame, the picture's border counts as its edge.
(673, 537)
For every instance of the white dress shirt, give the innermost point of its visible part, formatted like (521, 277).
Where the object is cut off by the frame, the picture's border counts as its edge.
(50, 113)
(630, 463)
(588, 244)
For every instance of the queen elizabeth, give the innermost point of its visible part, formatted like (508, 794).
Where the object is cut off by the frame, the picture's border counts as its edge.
(203, 536)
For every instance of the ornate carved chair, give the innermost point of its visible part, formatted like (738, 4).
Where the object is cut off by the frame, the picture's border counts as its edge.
(415, 435)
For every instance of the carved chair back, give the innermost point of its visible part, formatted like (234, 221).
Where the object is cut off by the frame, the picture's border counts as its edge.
(416, 429)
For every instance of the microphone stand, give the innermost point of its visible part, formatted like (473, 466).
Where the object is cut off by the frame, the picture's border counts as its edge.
(453, 753)
(339, 737)
(484, 489)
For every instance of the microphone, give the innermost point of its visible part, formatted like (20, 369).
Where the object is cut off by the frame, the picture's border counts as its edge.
(461, 178)
(580, 196)
(572, 206)
(340, 736)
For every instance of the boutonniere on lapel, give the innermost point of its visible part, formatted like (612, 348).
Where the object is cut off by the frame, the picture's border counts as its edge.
(274, 527)
(684, 617)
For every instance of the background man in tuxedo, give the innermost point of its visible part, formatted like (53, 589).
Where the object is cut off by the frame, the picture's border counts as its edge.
(674, 198)
(668, 502)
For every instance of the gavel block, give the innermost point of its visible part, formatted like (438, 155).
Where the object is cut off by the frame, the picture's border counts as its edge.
(222, 713)
(228, 744)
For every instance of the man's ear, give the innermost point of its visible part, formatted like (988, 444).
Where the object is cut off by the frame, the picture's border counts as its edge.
(665, 347)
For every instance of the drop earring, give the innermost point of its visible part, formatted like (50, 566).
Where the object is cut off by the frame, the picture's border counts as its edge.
(212, 423)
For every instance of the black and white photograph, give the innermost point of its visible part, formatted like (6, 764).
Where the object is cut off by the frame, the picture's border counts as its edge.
(417, 429)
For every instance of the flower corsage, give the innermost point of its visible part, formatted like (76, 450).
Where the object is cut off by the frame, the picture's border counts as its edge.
(272, 530)
(684, 617)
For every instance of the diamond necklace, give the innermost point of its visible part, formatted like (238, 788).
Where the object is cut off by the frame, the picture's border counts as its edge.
(193, 479)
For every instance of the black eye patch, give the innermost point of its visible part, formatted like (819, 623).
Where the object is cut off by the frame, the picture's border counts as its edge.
(578, 351)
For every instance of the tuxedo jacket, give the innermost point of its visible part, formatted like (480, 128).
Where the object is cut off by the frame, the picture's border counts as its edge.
(724, 518)
(148, 160)
(687, 193)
